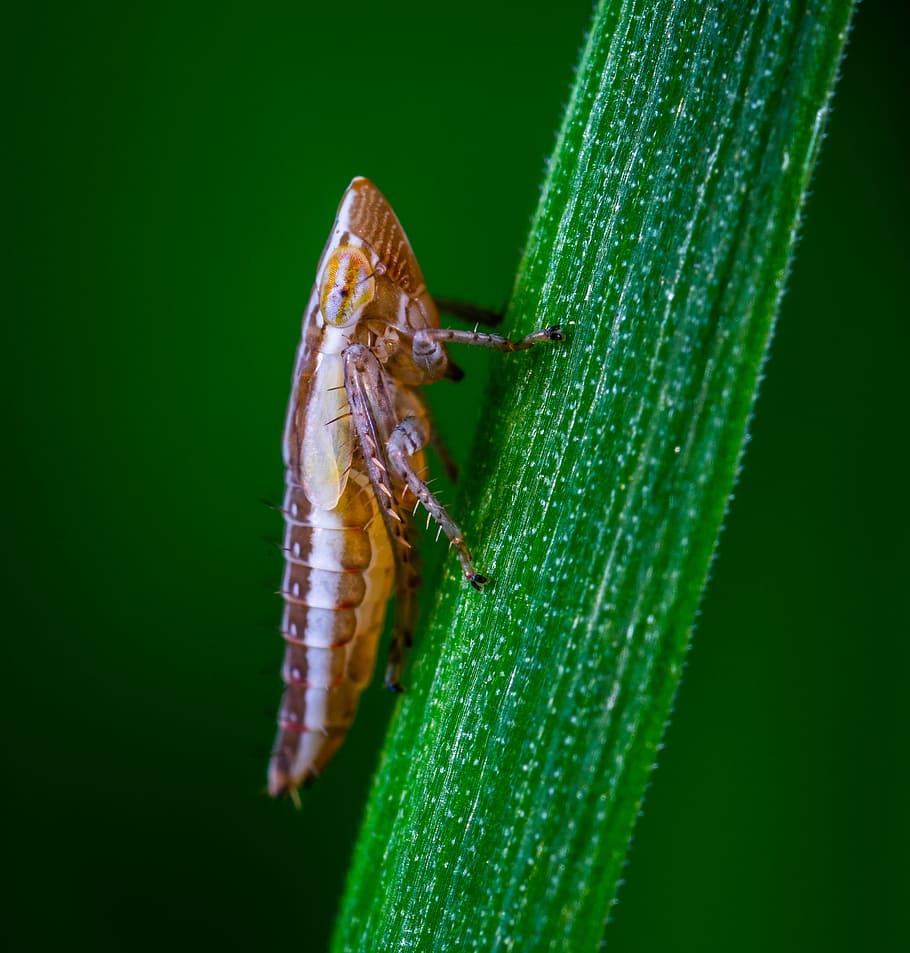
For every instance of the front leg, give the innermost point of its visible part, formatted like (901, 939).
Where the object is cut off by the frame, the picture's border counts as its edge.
(428, 344)
(409, 438)
(373, 418)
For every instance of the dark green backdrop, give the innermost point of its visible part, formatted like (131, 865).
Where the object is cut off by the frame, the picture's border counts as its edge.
(172, 177)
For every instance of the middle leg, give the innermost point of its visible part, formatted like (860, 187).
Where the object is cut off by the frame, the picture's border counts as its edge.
(428, 343)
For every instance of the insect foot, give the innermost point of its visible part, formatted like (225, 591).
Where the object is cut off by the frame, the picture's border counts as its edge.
(552, 332)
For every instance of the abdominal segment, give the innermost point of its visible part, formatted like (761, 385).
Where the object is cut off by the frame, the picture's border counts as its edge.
(337, 581)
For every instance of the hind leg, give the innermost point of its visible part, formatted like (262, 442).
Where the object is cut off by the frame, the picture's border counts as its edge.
(407, 582)
(408, 438)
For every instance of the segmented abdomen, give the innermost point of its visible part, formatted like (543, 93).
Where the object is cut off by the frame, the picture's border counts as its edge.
(337, 582)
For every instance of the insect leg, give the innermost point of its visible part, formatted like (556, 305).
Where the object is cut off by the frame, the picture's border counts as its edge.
(373, 418)
(469, 312)
(408, 438)
(428, 343)
(454, 372)
(445, 456)
(436, 441)
(407, 581)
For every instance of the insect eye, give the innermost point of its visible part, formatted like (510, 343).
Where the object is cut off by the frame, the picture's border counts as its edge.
(346, 287)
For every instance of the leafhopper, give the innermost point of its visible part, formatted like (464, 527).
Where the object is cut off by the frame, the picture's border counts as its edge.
(354, 438)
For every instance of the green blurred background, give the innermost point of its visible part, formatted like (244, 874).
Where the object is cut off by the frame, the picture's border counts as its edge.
(172, 176)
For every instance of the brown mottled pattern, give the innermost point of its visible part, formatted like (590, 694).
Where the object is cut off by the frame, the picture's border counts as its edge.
(373, 221)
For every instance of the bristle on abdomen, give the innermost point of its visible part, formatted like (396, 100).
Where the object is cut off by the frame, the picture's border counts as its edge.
(337, 580)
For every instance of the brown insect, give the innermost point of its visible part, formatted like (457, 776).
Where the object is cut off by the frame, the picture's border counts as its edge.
(353, 449)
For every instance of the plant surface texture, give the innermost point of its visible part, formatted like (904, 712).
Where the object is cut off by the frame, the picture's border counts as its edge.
(515, 767)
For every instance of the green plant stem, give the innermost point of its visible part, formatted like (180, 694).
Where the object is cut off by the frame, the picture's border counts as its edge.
(504, 804)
